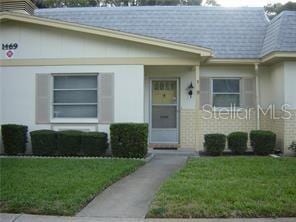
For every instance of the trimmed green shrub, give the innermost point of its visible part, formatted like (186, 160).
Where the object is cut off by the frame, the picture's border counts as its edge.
(44, 142)
(14, 138)
(69, 142)
(215, 143)
(293, 146)
(94, 143)
(129, 139)
(237, 142)
(262, 142)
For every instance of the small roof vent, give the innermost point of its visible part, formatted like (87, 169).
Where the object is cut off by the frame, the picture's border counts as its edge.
(21, 6)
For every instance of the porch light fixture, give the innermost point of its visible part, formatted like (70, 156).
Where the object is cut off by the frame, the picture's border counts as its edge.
(190, 89)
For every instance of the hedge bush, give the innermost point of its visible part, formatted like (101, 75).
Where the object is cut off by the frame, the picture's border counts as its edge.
(262, 142)
(215, 143)
(237, 142)
(129, 139)
(292, 147)
(14, 138)
(44, 142)
(94, 143)
(69, 142)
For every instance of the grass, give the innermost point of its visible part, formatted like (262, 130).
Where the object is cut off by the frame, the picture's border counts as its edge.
(56, 186)
(229, 187)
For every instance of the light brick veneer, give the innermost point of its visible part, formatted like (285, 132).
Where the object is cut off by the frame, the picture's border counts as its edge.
(193, 127)
(224, 126)
(188, 128)
(267, 122)
(285, 129)
(290, 131)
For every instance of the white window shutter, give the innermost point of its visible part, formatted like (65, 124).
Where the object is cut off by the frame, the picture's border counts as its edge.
(42, 98)
(106, 98)
(248, 90)
(205, 91)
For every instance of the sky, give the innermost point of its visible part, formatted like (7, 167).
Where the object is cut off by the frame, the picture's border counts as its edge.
(250, 3)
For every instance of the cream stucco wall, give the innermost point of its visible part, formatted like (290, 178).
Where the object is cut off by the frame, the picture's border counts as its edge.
(41, 42)
(290, 82)
(272, 85)
(290, 98)
(227, 123)
(277, 88)
(17, 83)
(0, 108)
(186, 75)
(17, 92)
(227, 71)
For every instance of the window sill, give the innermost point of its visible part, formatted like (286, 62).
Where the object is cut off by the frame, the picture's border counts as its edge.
(75, 120)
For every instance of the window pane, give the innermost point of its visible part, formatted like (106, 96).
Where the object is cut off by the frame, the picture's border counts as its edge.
(164, 117)
(226, 85)
(224, 100)
(166, 93)
(75, 96)
(75, 82)
(75, 111)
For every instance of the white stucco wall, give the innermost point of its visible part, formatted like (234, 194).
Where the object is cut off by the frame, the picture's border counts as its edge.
(1, 105)
(290, 83)
(277, 85)
(227, 71)
(275, 89)
(36, 42)
(17, 92)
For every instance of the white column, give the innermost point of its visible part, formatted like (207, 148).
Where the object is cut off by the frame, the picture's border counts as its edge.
(257, 97)
(197, 108)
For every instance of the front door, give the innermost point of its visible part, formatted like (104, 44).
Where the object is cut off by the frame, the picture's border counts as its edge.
(164, 114)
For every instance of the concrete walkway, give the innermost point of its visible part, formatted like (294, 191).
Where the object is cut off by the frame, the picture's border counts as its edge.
(40, 218)
(130, 197)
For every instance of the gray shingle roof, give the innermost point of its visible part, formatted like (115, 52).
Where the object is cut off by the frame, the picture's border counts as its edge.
(229, 32)
(281, 34)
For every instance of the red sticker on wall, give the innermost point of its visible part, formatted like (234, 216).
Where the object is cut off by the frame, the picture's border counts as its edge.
(9, 53)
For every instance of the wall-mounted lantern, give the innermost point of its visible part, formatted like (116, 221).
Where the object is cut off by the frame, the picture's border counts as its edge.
(190, 90)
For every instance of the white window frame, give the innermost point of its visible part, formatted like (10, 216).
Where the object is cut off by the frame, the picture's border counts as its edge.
(238, 108)
(72, 120)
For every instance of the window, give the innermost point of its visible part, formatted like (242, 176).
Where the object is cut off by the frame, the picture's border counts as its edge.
(75, 96)
(226, 92)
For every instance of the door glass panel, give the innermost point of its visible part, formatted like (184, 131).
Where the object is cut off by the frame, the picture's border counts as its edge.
(164, 116)
(164, 92)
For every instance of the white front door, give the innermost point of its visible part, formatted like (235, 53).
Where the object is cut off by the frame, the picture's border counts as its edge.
(164, 111)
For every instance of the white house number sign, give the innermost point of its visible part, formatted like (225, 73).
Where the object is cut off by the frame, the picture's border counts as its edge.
(9, 49)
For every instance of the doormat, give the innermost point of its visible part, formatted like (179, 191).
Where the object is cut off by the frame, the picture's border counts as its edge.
(165, 148)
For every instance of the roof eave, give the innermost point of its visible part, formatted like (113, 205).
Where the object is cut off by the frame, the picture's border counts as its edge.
(274, 57)
(221, 61)
(201, 51)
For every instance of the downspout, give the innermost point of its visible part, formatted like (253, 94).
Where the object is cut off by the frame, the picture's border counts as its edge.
(257, 96)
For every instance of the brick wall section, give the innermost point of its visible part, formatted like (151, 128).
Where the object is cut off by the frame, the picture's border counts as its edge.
(290, 131)
(224, 126)
(285, 129)
(188, 128)
(193, 127)
(267, 122)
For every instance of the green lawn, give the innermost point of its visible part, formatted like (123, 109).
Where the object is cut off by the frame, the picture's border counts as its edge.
(229, 187)
(57, 186)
